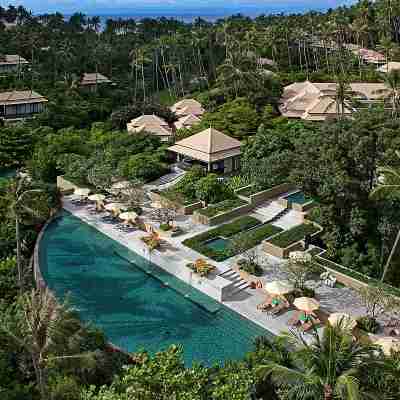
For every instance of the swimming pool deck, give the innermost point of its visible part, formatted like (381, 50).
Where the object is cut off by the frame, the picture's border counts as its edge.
(244, 303)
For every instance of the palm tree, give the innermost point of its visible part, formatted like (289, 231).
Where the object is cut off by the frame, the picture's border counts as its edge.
(388, 186)
(36, 326)
(26, 205)
(343, 95)
(328, 368)
(392, 91)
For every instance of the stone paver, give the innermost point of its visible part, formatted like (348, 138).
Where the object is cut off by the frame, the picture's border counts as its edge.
(339, 299)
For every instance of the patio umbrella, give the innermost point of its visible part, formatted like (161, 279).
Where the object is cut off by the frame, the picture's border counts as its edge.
(128, 216)
(114, 207)
(278, 287)
(388, 344)
(120, 185)
(156, 205)
(82, 192)
(97, 197)
(301, 256)
(345, 320)
(307, 304)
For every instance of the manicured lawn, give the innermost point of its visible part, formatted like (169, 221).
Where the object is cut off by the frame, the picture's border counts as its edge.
(293, 235)
(237, 229)
(222, 207)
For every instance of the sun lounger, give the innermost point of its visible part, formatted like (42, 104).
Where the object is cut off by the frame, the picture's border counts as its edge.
(265, 304)
(275, 311)
(294, 320)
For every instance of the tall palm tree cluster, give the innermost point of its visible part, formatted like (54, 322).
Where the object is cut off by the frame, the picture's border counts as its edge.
(152, 55)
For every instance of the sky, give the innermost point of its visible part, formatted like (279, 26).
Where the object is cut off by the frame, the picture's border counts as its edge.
(174, 7)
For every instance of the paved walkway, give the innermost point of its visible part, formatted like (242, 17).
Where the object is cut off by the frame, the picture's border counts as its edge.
(339, 299)
(245, 302)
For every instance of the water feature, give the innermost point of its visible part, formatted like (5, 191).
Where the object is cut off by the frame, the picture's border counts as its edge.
(138, 305)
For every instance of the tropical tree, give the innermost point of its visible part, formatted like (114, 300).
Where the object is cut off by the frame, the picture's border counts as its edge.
(388, 187)
(36, 324)
(392, 90)
(27, 205)
(328, 367)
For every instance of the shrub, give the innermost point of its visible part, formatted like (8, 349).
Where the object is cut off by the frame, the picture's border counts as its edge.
(211, 190)
(368, 324)
(144, 167)
(307, 292)
(293, 235)
(251, 268)
(165, 227)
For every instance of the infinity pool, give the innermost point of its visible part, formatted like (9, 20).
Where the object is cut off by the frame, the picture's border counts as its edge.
(109, 286)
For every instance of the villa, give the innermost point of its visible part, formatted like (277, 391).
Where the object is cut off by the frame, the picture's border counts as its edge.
(188, 107)
(151, 124)
(316, 101)
(389, 67)
(11, 63)
(91, 80)
(21, 104)
(187, 121)
(210, 148)
(370, 56)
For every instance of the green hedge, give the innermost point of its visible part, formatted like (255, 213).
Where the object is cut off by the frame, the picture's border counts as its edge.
(293, 235)
(257, 235)
(222, 207)
(232, 230)
(357, 275)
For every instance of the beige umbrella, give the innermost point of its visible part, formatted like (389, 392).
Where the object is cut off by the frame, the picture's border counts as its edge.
(278, 287)
(307, 304)
(97, 197)
(83, 192)
(346, 321)
(156, 205)
(120, 185)
(114, 207)
(388, 344)
(129, 216)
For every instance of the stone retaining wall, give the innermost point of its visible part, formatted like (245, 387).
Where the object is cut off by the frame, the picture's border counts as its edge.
(261, 197)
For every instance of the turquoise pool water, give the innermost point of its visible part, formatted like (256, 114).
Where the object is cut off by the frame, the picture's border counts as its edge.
(109, 286)
(218, 244)
(6, 174)
(297, 197)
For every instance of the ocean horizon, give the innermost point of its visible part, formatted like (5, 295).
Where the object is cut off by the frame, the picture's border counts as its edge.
(213, 12)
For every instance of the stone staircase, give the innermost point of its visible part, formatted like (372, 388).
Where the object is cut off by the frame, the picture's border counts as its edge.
(239, 284)
(269, 210)
(169, 178)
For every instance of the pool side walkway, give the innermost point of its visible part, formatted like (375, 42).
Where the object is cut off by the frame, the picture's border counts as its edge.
(245, 302)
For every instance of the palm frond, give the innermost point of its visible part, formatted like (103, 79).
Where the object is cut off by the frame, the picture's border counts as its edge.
(347, 387)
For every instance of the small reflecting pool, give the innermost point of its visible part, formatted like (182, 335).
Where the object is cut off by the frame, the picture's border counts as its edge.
(218, 244)
(298, 198)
